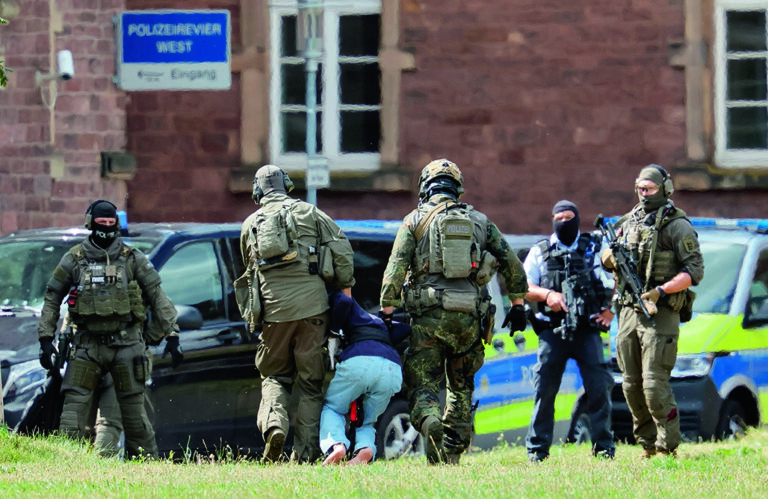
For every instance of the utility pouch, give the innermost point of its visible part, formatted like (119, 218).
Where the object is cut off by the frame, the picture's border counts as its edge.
(141, 368)
(247, 297)
(121, 375)
(85, 374)
(326, 264)
(682, 303)
(313, 261)
(459, 301)
(487, 312)
(487, 268)
(417, 300)
(138, 309)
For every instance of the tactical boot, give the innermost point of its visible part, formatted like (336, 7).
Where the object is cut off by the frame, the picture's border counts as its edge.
(452, 458)
(432, 432)
(273, 451)
(669, 453)
(648, 452)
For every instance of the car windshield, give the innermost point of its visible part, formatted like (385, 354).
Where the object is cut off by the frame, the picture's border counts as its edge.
(715, 292)
(27, 265)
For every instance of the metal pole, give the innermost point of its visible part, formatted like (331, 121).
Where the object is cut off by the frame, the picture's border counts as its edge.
(311, 142)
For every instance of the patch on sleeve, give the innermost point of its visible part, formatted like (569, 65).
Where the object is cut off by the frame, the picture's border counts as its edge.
(689, 243)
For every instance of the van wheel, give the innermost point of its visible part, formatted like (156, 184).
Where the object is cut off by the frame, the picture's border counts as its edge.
(731, 424)
(580, 430)
(395, 435)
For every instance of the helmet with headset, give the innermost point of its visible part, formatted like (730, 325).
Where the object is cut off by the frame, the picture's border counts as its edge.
(270, 178)
(440, 175)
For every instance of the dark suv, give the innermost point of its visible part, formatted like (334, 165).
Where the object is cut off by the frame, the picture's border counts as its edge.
(211, 400)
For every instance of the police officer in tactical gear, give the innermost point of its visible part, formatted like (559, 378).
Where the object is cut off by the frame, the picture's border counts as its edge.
(439, 250)
(281, 243)
(108, 285)
(569, 258)
(665, 248)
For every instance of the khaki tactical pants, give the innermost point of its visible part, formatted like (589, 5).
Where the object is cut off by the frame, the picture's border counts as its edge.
(293, 351)
(93, 360)
(646, 354)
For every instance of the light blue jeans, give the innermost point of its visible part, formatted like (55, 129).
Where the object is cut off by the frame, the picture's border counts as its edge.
(376, 378)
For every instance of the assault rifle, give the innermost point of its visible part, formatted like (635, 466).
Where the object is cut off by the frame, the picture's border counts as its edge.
(626, 269)
(573, 302)
(63, 348)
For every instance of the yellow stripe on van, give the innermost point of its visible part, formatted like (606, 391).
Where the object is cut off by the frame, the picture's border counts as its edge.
(518, 415)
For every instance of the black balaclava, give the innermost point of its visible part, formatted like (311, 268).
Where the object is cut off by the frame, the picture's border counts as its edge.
(103, 235)
(568, 230)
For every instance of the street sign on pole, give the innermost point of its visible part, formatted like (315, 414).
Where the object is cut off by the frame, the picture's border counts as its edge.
(173, 50)
(318, 176)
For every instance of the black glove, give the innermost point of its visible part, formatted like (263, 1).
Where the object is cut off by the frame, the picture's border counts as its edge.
(515, 319)
(47, 350)
(173, 347)
(387, 318)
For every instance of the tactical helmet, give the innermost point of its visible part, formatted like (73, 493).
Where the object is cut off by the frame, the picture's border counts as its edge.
(270, 178)
(440, 174)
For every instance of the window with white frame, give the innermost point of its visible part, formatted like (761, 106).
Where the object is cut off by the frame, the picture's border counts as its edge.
(348, 87)
(741, 83)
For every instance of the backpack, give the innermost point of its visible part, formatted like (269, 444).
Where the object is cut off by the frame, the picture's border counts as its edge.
(452, 248)
(276, 236)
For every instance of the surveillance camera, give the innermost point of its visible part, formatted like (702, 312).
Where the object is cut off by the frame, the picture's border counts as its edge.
(65, 64)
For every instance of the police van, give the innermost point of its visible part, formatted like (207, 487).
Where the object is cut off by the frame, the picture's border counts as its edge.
(720, 380)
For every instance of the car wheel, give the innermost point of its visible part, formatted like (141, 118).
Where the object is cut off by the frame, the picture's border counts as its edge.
(731, 423)
(395, 435)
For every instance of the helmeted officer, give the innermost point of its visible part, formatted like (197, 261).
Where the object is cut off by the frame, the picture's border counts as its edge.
(108, 284)
(281, 243)
(661, 239)
(569, 259)
(440, 246)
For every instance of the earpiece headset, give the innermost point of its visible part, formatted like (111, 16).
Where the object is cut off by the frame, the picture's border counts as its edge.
(89, 217)
(668, 187)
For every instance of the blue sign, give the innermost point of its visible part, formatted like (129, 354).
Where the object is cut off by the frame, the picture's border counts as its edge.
(174, 50)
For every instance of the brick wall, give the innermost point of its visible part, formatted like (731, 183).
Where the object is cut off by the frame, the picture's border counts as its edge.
(542, 100)
(50, 159)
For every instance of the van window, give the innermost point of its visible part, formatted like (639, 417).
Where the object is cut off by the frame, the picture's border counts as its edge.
(191, 276)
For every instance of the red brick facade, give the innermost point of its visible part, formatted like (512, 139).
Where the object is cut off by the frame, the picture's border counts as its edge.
(535, 100)
(49, 159)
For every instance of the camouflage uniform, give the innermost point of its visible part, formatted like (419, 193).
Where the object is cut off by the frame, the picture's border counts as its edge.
(646, 349)
(444, 343)
(294, 306)
(113, 285)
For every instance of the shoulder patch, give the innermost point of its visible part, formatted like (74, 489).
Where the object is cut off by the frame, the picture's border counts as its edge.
(689, 243)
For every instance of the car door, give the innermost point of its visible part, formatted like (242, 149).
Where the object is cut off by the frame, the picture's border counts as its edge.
(200, 404)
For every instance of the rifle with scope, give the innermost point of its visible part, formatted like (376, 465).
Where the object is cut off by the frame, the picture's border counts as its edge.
(626, 268)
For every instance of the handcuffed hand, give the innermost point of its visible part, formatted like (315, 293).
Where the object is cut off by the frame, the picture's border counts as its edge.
(387, 318)
(606, 258)
(515, 319)
(173, 347)
(46, 352)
